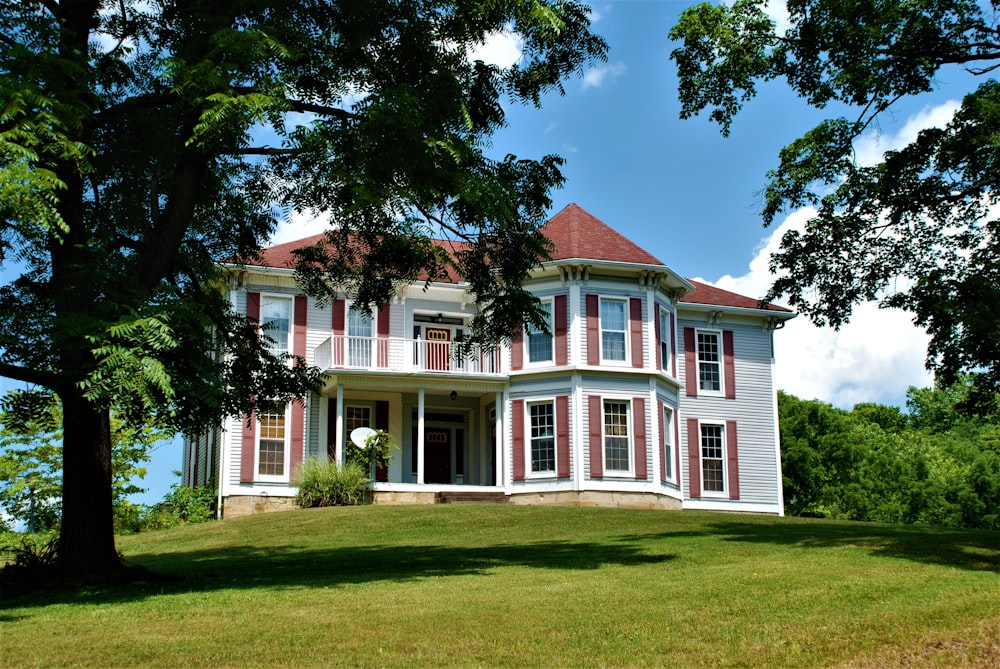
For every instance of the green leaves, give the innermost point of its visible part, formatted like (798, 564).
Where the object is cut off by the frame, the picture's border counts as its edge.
(916, 229)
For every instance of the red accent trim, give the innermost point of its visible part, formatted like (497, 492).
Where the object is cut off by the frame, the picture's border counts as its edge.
(300, 314)
(595, 418)
(658, 331)
(248, 446)
(663, 440)
(673, 345)
(732, 453)
(253, 305)
(593, 331)
(382, 331)
(635, 326)
(639, 445)
(694, 459)
(729, 363)
(298, 440)
(339, 321)
(690, 364)
(562, 436)
(381, 423)
(517, 431)
(517, 351)
(561, 327)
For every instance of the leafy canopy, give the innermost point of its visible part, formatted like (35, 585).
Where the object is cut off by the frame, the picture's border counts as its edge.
(917, 230)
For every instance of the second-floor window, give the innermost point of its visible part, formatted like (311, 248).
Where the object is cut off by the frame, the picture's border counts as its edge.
(664, 342)
(613, 330)
(709, 361)
(540, 342)
(275, 320)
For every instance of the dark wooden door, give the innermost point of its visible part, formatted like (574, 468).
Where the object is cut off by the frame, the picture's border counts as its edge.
(437, 455)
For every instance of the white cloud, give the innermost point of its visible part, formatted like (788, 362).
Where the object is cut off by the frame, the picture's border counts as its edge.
(778, 11)
(869, 148)
(874, 358)
(502, 49)
(299, 225)
(595, 77)
(598, 14)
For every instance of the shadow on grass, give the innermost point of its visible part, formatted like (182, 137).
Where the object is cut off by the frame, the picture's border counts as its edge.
(964, 549)
(234, 567)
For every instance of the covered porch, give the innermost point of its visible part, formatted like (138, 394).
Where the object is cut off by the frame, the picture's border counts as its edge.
(448, 430)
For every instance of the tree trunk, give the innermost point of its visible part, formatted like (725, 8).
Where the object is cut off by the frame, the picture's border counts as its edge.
(87, 539)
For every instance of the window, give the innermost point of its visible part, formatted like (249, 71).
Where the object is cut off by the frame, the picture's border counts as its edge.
(275, 318)
(713, 477)
(355, 417)
(668, 443)
(613, 324)
(539, 342)
(272, 448)
(359, 338)
(543, 438)
(664, 340)
(616, 441)
(709, 361)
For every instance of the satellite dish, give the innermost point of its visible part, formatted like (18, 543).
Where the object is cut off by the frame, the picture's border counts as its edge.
(359, 436)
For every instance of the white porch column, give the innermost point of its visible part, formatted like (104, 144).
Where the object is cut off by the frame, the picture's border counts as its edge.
(501, 445)
(340, 425)
(420, 436)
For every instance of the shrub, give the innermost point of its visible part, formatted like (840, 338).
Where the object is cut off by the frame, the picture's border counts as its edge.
(189, 505)
(324, 483)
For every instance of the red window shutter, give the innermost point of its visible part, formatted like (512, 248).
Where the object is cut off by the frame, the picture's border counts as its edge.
(673, 346)
(298, 439)
(663, 440)
(694, 457)
(635, 327)
(253, 306)
(732, 453)
(382, 330)
(517, 351)
(562, 436)
(639, 446)
(248, 448)
(517, 430)
(729, 363)
(690, 364)
(659, 337)
(299, 329)
(561, 328)
(593, 331)
(596, 417)
(381, 423)
(339, 321)
(677, 449)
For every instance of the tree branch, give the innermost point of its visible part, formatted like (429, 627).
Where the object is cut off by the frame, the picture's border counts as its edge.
(18, 373)
(262, 151)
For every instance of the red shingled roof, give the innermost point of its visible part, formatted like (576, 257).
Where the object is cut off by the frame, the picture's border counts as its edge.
(578, 234)
(706, 294)
(575, 234)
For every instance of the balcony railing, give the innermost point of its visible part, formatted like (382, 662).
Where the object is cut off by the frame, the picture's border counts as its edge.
(392, 354)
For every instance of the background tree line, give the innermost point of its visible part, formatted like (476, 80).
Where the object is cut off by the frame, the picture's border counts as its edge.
(933, 465)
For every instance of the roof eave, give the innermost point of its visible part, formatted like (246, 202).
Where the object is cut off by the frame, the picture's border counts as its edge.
(743, 311)
(673, 279)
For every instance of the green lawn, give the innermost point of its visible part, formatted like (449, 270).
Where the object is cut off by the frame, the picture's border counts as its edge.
(527, 586)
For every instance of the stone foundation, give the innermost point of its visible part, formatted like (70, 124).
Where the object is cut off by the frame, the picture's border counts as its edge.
(620, 500)
(247, 505)
(398, 498)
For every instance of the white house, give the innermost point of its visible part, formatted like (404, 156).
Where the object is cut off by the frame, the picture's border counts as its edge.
(651, 390)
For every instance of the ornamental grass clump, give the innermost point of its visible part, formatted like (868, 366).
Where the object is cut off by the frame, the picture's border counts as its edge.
(325, 483)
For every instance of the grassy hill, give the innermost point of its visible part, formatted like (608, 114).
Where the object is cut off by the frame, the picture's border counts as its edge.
(527, 586)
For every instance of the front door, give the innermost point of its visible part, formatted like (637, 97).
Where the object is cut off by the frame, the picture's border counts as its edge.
(437, 455)
(438, 349)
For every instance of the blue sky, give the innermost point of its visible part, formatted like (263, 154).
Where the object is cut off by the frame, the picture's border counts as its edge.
(691, 197)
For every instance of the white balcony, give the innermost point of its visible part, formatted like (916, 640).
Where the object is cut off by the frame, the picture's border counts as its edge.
(392, 354)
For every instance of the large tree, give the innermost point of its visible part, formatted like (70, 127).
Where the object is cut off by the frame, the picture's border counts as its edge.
(144, 141)
(914, 231)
